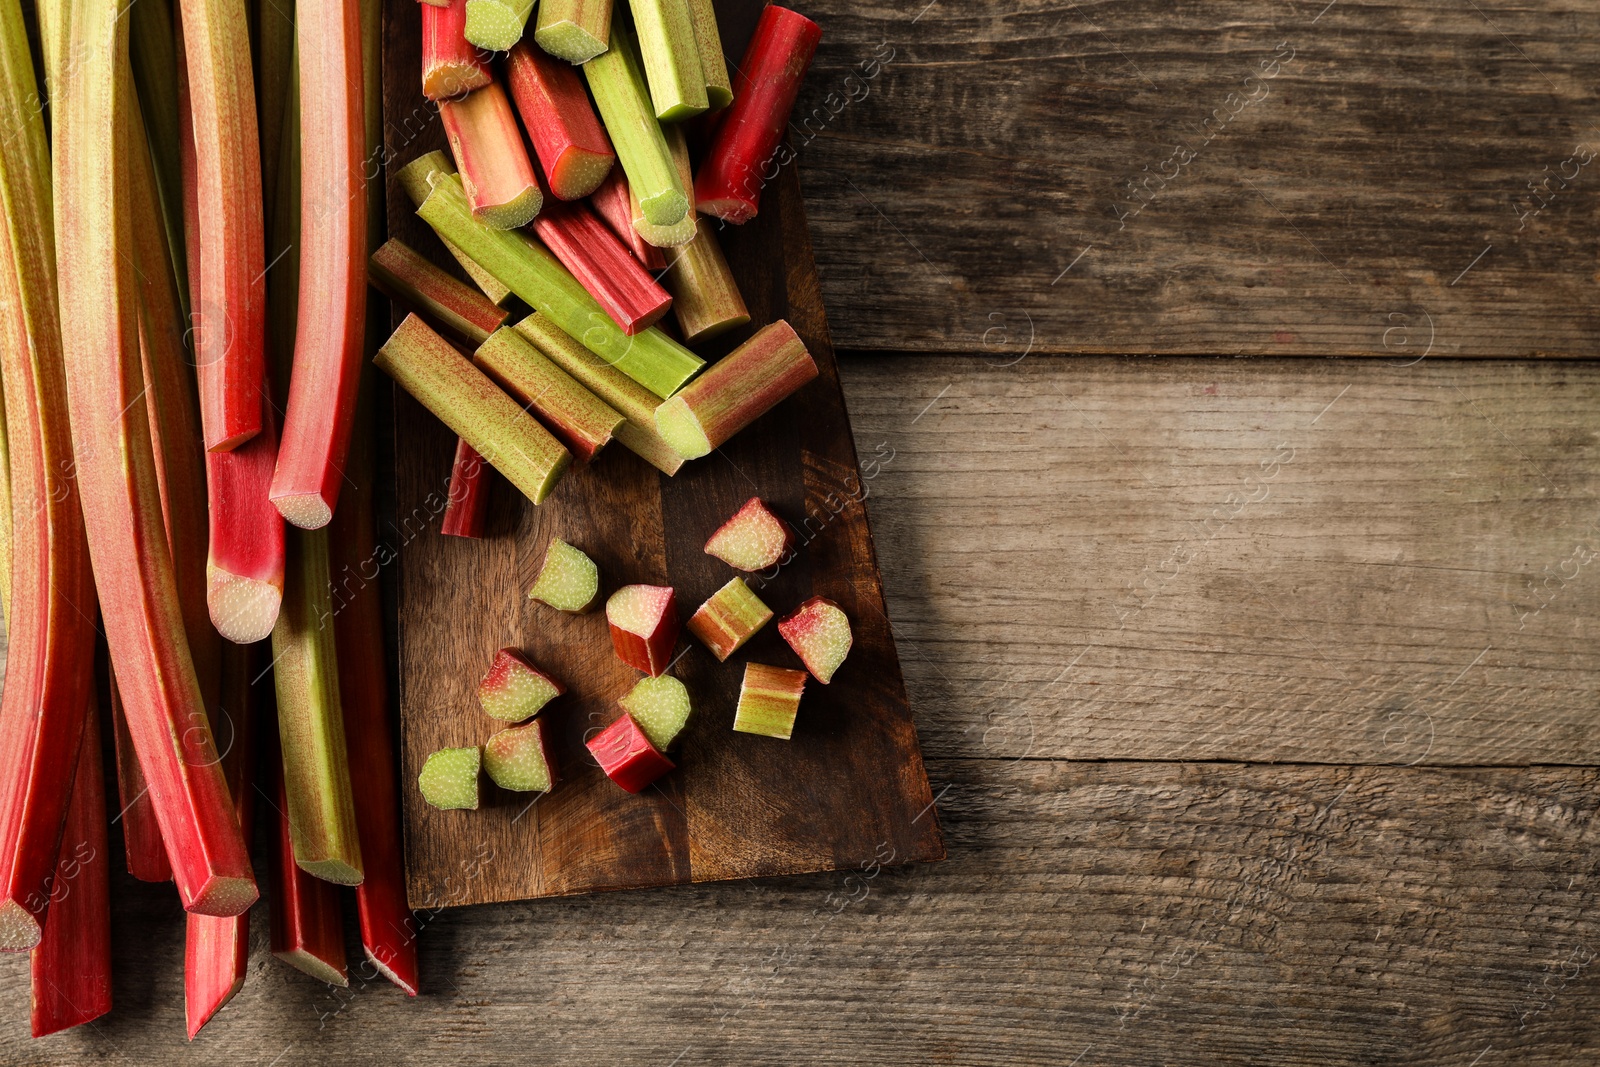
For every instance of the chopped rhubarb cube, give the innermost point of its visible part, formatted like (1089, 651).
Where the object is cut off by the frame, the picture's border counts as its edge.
(644, 626)
(625, 753)
(519, 758)
(729, 619)
(819, 633)
(769, 700)
(514, 689)
(753, 540)
(661, 708)
(450, 778)
(568, 581)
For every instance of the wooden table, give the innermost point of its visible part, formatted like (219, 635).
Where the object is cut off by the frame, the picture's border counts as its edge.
(1258, 695)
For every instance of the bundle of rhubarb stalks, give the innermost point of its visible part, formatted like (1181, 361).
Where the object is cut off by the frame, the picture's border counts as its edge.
(190, 194)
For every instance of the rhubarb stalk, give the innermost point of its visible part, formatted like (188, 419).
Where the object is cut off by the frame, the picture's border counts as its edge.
(451, 64)
(769, 699)
(122, 509)
(753, 539)
(649, 357)
(447, 384)
(731, 617)
(447, 303)
(519, 759)
(515, 689)
(682, 231)
(141, 835)
(495, 170)
(231, 301)
(705, 298)
(333, 261)
(71, 965)
(626, 755)
(582, 421)
(614, 203)
(602, 265)
(50, 621)
(307, 924)
(572, 146)
(819, 633)
(643, 620)
(466, 510)
(413, 178)
(152, 47)
(617, 80)
(449, 779)
(568, 580)
(660, 707)
(737, 390)
(713, 67)
(671, 56)
(575, 30)
(732, 175)
(497, 24)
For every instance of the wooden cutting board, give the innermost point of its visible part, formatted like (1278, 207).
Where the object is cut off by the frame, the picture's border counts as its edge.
(849, 789)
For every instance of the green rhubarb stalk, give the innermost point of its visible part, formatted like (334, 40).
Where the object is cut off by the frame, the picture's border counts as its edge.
(769, 699)
(413, 178)
(404, 275)
(682, 231)
(568, 580)
(462, 396)
(449, 779)
(6, 553)
(497, 24)
(583, 421)
(740, 388)
(316, 770)
(616, 78)
(660, 707)
(574, 30)
(636, 403)
(705, 298)
(649, 357)
(731, 617)
(670, 51)
(714, 68)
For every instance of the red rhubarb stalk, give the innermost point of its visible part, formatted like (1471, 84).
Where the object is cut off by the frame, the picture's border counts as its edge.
(451, 64)
(626, 755)
(736, 167)
(307, 924)
(644, 626)
(333, 264)
(467, 508)
(216, 949)
(572, 146)
(614, 203)
(602, 265)
(121, 502)
(50, 622)
(141, 835)
(495, 170)
(230, 305)
(738, 389)
(449, 304)
(71, 966)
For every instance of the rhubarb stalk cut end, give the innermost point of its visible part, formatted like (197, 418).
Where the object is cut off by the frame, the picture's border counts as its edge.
(754, 539)
(449, 780)
(660, 706)
(819, 633)
(626, 755)
(568, 581)
(307, 511)
(496, 24)
(730, 618)
(518, 759)
(644, 626)
(19, 930)
(242, 609)
(515, 689)
(769, 700)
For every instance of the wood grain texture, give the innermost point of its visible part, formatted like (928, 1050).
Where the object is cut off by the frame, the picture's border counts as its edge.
(1227, 559)
(848, 784)
(959, 158)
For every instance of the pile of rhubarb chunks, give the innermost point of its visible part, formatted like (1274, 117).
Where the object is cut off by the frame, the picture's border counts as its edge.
(643, 620)
(190, 217)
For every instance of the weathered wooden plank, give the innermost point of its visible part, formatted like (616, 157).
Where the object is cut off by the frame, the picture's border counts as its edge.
(1228, 559)
(1127, 914)
(1246, 177)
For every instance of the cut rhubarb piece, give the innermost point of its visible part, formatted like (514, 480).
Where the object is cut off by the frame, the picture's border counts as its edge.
(515, 689)
(231, 302)
(740, 388)
(660, 707)
(307, 922)
(413, 178)
(644, 626)
(447, 384)
(613, 202)
(626, 755)
(670, 52)
(732, 175)
(636, 403)
(568, 580)
(713, 66)
(449, 780)
(819, 633)
(316, 767)
(769, 699)
(575, 30)
(495, 170)
(71, 965)
(580, 419)
(449, 304)
(519, 759)
(497, 24)
(451, 64)
(649, 357)
(245, 553)
(51, 618)
(467, 508)
(572, 146)
(731, 617)
(754, 539)
(677, 233)
(116, 473)
(603, 266)
(616, 77)
(705, 298)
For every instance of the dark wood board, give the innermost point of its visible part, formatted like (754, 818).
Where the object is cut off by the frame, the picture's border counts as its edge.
(1370, 201)
(848, 789)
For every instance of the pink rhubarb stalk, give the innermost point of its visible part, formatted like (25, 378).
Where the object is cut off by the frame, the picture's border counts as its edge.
(494, 166)
(737, 390)
(515, 689)
(754, 539)
(572, 146)
(466, 510)
(819, 633)
(644, 626)
(451, 64)
(626, 755)
(614, 203)
(733, 174)
(333, 264)
(602, 265)
(141, 835)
